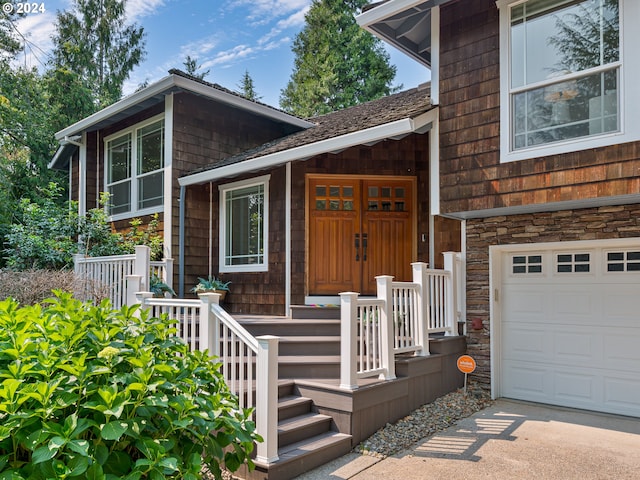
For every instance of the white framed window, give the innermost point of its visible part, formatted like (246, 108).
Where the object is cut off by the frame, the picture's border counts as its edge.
(134, 164)
(565, 75)
(244, 225)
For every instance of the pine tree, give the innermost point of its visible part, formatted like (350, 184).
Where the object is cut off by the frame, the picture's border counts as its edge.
(247, 89)
(191, 67)
(337, 64)
(9, 39)
(95, 43)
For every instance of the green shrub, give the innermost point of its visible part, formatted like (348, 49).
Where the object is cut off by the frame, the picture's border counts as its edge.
(93, 393)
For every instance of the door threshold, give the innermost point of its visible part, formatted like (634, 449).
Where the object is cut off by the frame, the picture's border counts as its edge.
(322, 300)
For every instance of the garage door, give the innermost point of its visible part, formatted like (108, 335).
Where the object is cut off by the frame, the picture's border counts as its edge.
(570, 326)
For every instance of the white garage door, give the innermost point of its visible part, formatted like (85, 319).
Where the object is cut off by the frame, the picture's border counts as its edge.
(570, 326)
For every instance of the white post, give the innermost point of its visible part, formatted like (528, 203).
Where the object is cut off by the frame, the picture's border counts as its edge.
(267, 398)
(80, 280)
(451, 306)
(142, 299)
(133, 287)
(142, 264)
(387, 328)
(168, 268)
(348, 340)
(208, 327)
(420, 277)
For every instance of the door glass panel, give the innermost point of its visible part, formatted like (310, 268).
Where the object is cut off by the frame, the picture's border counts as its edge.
(386, 192)
(399, 192)
(347, 205)
(334, 191)
(321, 204)
(373, 205)
(347, 191)
(399, 206)
(334, 205)
(321, 190)
(373, 191)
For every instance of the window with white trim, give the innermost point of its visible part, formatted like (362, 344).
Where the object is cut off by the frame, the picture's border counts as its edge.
(135, 169)
(562, 75)
(244, 208)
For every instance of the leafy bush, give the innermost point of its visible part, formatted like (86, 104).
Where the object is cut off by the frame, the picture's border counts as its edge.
(94, 393)
(48, 233)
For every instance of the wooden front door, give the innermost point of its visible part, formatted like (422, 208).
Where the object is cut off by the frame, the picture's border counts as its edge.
(359, 228)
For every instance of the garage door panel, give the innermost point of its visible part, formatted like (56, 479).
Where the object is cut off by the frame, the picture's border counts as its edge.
(570, 336)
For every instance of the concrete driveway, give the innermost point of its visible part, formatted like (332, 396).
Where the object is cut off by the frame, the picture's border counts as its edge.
(510, 440)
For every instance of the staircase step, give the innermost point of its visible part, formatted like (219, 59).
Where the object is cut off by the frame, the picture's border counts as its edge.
(291, 406)
(315, 312)
(316, 366)
(291, 327)
(297, 429)
(300, 457)
(310, 345)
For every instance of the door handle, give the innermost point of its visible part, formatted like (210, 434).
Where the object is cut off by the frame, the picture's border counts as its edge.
(357, 247)
(364, 247)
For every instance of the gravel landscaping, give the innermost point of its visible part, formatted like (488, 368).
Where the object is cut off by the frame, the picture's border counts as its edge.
(425, 421)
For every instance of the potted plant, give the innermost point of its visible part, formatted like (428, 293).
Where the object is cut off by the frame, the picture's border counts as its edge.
(159, 288)
(211, 284)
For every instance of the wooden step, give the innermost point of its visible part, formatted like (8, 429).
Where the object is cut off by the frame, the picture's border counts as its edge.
(309, 345)
(315, 312)
(308, 366)
(291, 406)
(301, 427)
(300, 457)
(291, 327)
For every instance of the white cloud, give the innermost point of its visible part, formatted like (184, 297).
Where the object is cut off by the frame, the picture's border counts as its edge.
(37, 30)
(137, 9)
(230, 56)
(263, 11)
(199, 47)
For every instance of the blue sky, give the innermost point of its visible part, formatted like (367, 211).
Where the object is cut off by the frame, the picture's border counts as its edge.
(227, 38)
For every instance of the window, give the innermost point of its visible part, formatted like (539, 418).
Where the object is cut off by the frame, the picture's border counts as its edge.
(244, 225)
(135, 170)
(523, 264)
(561, 75)
(573, 263)
(623, 261)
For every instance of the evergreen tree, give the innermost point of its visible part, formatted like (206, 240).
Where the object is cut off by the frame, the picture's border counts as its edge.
(9, 39)
(191, 67)
(94, 42)
(337, 63)
(247, 89)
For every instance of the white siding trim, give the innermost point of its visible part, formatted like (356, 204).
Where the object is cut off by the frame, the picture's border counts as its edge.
(168, 175)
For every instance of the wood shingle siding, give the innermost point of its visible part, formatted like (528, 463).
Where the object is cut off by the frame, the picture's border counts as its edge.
(472, 177)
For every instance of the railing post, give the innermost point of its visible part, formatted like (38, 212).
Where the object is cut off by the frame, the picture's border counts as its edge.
(451, 306)
(141, 298)
(267, 398)
(348, 340)
(168, 268)
(142, 264)
(387, 326)
(208, 325)
(133, 287)
(420, 277)
(80, 280)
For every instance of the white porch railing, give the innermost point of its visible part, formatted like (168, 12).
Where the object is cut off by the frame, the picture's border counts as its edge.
(398, 320)
(249, 365)
(104, 277)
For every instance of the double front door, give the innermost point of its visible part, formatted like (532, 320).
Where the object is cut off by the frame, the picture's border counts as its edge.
(359, 227)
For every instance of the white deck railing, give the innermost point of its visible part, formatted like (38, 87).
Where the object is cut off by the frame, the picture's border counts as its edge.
(105, 277)
(398, 320)
(249, 364)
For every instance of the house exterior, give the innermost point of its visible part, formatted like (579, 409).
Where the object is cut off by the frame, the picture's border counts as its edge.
(290, 211)
(539, 158)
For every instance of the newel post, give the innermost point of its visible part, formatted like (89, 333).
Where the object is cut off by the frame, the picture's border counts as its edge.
(387, 328)
(142, 264)
(348, 340)
(168, 268)
(141, 298)
(133, 287)
(419, 270)
(451, 305)
(267, 398)
(208, 328)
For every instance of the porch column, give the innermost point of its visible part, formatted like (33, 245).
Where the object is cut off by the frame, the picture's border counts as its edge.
(387, 327)
(267, 398)
(420, 277)
(451, 303)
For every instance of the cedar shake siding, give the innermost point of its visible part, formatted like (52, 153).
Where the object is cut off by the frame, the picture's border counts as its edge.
(472, 177)
(263, 292)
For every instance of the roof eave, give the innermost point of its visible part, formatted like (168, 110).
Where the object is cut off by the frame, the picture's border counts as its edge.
(396, 129)
(176, 81)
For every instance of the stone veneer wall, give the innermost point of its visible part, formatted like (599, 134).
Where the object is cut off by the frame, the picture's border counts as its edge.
(566, 225)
